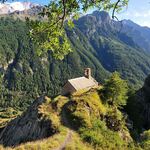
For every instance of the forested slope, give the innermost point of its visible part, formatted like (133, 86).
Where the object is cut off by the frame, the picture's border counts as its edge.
(26, 75)
(96, 42)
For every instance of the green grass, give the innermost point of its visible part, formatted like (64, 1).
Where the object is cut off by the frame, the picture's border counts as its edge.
(54, 142)
(86, 118)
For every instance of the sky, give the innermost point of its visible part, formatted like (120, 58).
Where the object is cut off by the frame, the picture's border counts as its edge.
(137, 11)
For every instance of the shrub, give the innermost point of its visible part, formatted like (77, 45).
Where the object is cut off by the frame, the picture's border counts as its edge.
(100, 136)
(145, 137)
(115, 90)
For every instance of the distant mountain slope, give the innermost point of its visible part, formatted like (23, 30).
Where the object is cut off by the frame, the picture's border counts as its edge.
(115, 50)
(97, 43)
(29, 75)
(140, 35)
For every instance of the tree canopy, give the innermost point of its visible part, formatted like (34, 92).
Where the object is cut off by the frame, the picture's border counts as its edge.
(115, 90)
(50, 34)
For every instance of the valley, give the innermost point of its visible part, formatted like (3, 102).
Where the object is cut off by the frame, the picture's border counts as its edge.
(34, 114)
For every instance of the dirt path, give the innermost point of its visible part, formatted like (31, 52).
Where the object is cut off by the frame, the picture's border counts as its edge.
(69, 134)
(66, 141)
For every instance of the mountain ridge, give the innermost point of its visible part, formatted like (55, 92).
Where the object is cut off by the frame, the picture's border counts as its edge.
(140, 34)
(105, 37)
(8, 8)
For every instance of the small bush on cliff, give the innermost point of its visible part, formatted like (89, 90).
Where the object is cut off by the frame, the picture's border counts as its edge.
(145, 137)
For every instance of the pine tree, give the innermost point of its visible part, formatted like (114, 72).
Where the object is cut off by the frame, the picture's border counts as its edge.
(115, 90)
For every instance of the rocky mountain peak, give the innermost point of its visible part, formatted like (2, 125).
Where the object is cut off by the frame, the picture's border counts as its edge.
(8, 8)
(102, 15)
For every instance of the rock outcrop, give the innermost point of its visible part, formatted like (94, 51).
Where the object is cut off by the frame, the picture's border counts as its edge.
(30, 126)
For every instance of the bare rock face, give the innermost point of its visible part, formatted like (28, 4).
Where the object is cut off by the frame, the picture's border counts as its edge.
(31, 125)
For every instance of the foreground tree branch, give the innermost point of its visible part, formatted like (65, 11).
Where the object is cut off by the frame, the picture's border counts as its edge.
(49, 32)
(115, 7)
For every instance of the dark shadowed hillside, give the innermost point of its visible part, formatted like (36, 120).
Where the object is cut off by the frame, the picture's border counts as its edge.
(139, 105)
